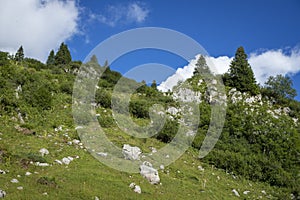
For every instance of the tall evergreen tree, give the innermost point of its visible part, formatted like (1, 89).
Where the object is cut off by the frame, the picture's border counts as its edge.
(94, 59)
(240, 74)
(63, 55)
(19, 57)
(51, 58)
(154, 85)
(201, 67)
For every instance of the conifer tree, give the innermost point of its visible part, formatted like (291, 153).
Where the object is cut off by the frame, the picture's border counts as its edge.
(63, 55)
(94, 59)
(19, 57)
(154, 85)
(201, 67)
(240, 74)
(51, 58)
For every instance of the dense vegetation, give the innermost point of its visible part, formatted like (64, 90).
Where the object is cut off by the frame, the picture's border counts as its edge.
(260, 140)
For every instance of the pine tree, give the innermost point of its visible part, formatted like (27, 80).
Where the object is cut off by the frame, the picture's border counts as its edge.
(201, 67)
(240, 74)
(63, 55)
(94, 59)
(51, 58)
(19, 57)
(154, 85)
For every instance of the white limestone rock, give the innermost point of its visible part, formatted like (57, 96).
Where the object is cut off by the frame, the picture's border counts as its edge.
(235, 192)
(148, 172)
(137, 189)
(2, 193)
(44, 151)
(131, 153)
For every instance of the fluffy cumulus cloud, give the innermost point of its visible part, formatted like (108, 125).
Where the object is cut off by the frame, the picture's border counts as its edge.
(264, 64)
(121, 14)
(273, 62)
(38, 25)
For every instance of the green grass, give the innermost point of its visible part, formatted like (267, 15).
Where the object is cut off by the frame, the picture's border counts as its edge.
(86, 177)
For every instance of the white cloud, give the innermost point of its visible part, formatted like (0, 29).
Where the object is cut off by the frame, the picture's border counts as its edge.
(268, 63)
(273, 62)
(123, 14)
(38, 25)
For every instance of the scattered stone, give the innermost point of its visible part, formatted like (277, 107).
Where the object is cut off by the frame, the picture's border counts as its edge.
(162, 167)
(44, 151)
(19, 176)
(2, 171)
(70, 158)
(76, 141)
(45, 193)
(167, 156)
(42, 164)
(59, 162)
(59, 128)
(153, 149)
(200, 168)
(137, 189)
(131, 185)
(14, 180)
(102, 154)
(28, 173)
(246, 192)
(148, 172)
(218, 177)
(264, 192)
(131, 153)
(20, 188)
(97, 198)
(235, 192)
(66, 161)
(2, 193)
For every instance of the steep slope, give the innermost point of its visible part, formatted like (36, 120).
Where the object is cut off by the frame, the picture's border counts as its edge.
(36, 114)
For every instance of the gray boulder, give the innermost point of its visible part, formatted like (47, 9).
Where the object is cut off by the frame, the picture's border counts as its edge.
(131, 153)
(148, 172)
(2, 193)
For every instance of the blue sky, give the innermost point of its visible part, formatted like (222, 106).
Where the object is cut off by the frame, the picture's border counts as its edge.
(269, 30)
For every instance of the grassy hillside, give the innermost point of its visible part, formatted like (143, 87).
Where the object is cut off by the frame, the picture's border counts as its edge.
(35, 113)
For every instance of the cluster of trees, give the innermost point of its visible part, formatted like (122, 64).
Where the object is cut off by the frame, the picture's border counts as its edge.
(252, 144)
(255, 144)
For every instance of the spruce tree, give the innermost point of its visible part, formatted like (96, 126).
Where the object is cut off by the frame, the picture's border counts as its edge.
(240, 74)
(51, 58)
(19, 57)
(201, 67)
(63, 55)
(154, 85)
(94, 59)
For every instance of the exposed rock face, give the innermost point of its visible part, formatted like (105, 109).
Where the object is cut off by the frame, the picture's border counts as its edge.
(187, 95)
(131, 153)
(148, 172)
